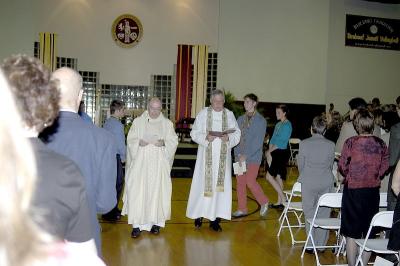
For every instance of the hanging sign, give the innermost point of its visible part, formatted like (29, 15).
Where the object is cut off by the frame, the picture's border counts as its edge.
(371, 32)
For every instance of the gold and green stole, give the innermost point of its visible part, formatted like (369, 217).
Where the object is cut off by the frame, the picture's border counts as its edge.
(222, 157)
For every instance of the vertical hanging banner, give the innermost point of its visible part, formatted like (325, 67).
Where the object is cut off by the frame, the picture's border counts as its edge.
(200, 63)
(183, 82)
(48, 49)
(371, 32)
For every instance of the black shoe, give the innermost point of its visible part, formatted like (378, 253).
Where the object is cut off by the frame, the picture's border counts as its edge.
(277, 206)
(155, 230)
(135, 232)
(112, 216)
(214, 225)
(309, 251)
(198, 222)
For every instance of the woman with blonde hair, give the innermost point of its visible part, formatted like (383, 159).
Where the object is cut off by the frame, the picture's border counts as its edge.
(22, 242)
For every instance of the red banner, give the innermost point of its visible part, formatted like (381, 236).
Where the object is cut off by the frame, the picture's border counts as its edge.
(183, 82)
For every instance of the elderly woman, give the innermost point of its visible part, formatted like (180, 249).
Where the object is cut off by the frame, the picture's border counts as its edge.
(364, 161)
(278, 151)
(315, 161)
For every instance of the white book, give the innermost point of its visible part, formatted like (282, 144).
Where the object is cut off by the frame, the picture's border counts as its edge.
(151, 138)
(239, 169)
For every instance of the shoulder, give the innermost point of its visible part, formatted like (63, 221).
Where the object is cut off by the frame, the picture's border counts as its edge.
(260, 118)
(168, 122)
(380, 141)
(395, 128)
(329, 142)
(202, 113)
(229, 112)
(349, 141)
(305, 142)
(287, 124)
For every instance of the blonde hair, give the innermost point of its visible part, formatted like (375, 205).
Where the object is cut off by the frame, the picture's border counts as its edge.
(21, 241)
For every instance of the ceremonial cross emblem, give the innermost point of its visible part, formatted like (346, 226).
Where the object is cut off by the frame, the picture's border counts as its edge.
(127, 30)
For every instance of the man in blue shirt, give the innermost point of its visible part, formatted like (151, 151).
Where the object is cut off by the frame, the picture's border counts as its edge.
(116, 128)
(90, 147)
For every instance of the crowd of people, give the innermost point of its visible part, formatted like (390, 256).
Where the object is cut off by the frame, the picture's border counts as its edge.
(57, 191)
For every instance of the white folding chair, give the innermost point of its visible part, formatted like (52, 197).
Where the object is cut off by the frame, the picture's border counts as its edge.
(294, 207)
(294, 149)
(287, 195)
(378, 245)
(331, 200)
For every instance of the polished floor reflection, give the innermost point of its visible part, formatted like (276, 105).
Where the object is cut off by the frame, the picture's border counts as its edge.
(246, 241)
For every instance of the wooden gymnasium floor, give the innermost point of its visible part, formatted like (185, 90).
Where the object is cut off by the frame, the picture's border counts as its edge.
(246, 241)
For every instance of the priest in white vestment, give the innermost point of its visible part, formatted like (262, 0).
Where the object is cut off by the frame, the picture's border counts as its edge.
(151, 144)
(217, 132)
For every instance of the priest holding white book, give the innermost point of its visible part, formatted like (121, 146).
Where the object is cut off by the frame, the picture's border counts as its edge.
(152, 143)
(211, 190)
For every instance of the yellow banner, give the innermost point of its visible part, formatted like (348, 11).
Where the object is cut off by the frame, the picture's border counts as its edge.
(200, 65)
(48, 49)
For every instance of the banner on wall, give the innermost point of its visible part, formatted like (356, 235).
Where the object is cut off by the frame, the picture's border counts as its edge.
(371, 32)
(48, 49)
(200, 66)
(183, 82)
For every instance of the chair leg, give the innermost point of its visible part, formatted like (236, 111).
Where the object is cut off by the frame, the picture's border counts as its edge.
(341, 247)
(284, 215)
(306, 243)
(359, 258)
(290, 230)
(315, 251)
(299, 218)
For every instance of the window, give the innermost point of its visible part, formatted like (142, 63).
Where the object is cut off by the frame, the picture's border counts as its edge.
(90, 84)
(161, 87)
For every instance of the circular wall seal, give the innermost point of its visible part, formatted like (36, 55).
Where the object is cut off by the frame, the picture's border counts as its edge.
(373, 29)
(127, 30)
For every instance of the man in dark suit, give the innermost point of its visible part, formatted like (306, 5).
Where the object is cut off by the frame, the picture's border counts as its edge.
(90, 147)
(60, 195)
(394, 156)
